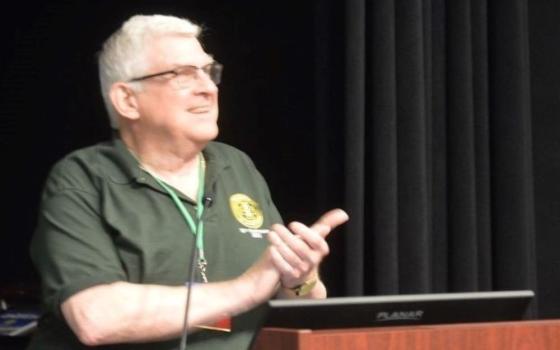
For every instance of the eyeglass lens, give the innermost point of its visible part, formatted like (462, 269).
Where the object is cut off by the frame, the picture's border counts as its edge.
(188, 74)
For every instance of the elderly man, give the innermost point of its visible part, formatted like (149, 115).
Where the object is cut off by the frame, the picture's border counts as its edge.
(118, 220)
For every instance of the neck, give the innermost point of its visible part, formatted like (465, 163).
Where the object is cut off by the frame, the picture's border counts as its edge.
(168, 159)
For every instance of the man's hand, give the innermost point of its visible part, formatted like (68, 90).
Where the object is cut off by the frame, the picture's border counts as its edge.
(297, 250)
(291, 259)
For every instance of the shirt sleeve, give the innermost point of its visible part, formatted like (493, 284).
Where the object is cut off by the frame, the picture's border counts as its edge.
(72, 247)
(269, 206)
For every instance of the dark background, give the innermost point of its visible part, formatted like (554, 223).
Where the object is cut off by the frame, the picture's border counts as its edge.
(545, 80)
(50, 105)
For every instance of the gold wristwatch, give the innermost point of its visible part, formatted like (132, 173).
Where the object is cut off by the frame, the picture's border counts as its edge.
(304, 288)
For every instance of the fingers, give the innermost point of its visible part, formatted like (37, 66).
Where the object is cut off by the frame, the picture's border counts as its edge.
(283, 267)
(298, 250)
(302, 245)
(329, 221)
(293, 251)
(313, 238)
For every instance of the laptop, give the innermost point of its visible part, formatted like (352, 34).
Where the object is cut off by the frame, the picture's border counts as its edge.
(394, 310)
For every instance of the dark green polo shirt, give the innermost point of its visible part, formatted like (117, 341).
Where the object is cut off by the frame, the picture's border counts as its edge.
(103, 219)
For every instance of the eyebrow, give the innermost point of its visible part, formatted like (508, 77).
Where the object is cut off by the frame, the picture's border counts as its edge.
(177, 65)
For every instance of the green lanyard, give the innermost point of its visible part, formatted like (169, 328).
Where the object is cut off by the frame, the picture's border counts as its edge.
(198, 228)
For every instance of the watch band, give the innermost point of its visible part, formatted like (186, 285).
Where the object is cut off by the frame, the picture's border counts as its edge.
(304, 288)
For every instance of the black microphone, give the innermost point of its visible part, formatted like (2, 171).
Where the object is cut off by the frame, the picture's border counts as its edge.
(207, 200)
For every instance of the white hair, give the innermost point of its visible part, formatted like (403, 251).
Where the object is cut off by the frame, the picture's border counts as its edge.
(123, 54)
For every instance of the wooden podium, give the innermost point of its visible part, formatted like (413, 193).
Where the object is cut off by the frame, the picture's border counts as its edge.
(521, 335)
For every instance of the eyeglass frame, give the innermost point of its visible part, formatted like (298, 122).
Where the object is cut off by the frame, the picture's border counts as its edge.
(177, 71)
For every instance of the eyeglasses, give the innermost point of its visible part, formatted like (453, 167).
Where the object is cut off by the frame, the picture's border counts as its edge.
(184, 76)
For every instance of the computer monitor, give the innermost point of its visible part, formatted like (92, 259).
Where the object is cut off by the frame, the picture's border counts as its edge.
(413, 309)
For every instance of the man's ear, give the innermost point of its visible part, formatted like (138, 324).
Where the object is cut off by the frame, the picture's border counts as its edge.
(124, 100)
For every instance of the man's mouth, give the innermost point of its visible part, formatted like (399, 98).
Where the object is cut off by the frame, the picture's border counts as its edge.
(199, 109)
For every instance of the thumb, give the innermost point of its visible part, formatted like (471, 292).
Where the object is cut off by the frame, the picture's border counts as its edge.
(329, 221)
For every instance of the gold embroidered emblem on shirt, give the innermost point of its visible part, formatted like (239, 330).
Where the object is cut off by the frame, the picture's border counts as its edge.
(246, 210)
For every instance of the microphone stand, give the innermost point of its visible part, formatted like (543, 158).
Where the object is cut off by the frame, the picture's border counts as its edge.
(194, 255)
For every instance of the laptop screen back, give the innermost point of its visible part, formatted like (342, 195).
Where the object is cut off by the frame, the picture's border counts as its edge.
(417, 309)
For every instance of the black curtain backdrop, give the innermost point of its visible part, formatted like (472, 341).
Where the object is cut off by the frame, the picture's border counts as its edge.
(436, 146)
(433, 123)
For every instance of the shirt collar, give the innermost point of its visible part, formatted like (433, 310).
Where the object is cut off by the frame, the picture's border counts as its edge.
(120, 166)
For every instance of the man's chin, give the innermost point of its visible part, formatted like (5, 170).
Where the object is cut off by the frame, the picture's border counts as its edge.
(207, 135)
